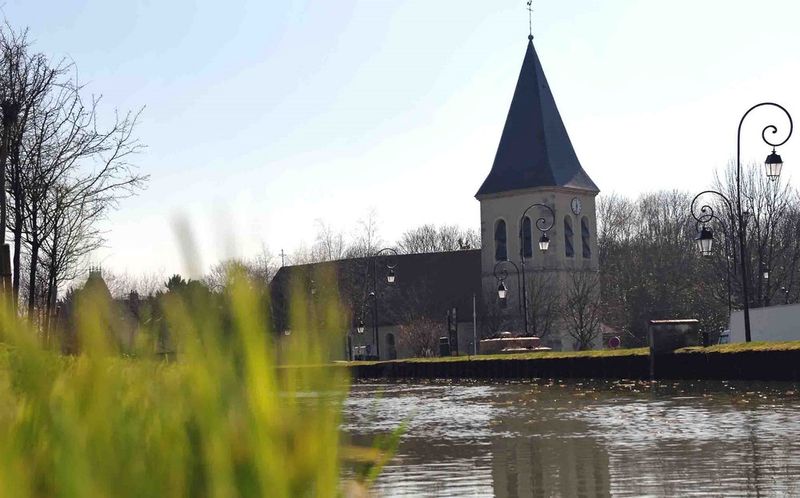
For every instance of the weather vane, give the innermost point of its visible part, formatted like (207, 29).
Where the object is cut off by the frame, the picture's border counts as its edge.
(530, 23)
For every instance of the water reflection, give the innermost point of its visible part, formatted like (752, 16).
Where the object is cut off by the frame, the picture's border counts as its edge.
(584, 439)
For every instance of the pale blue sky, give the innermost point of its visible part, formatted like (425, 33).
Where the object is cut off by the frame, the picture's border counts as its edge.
(263, 116)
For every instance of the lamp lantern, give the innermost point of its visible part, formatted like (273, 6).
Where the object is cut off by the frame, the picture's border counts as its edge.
(705, 241)
(773, 163)
(544, 242)
(502, 291)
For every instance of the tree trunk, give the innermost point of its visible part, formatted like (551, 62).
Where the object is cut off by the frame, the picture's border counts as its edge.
(17, 255)
(10, 111)
(3, 196)
(18, 206)
(33, 264)
(51, 288)
(52, 292)
(32, 284)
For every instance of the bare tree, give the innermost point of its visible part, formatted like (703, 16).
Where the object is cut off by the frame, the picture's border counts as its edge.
(544, 300)
(301, 255)
(263, 265)
(432, 238)
(581, 309)
(96, 174)
(417, 310)
(41, 170)
(650, 267)
(123, 285)
(496, 318)
(329, 244)
(74, 236)
(367, 240)
(770, 209)
(62, 169)
(260, 269)
(25, 81)
(420, 337)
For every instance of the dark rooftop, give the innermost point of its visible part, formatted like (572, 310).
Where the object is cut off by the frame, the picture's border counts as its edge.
(427, 284)
(535, 149)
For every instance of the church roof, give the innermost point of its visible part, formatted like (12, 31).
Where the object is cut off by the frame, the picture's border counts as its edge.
(535, 149)
(428, 284)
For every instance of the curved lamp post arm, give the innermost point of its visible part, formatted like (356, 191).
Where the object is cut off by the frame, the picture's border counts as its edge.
(541, 222)
(770, 128)
(706, 212)
(386, 250)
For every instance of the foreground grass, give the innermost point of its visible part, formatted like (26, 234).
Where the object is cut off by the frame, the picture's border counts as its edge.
(221, 421)
(599, 353)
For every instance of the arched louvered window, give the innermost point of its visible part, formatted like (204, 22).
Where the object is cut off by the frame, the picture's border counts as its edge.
(587, 251)
(569, 238)
(527, 246)
(500, 246)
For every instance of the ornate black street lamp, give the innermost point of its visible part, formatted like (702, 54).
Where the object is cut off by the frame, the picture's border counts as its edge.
(705, 237)
(773, 165)
(391, 277)
(500, 274)
(544, 244)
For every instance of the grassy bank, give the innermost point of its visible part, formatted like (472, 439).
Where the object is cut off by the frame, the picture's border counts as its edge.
(741, 347)
(598, 353)
(535, 355)
(753, 361)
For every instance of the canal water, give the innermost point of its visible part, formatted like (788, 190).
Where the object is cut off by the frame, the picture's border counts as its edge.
(550, 438)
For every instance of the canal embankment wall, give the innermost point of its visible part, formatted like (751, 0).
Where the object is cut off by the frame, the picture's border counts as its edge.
(764, 365)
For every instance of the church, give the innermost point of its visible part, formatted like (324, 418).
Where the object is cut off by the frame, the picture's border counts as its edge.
(534, 275)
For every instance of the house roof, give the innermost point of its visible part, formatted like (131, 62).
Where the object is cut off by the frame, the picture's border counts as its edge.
(426, 284)
(535, 149)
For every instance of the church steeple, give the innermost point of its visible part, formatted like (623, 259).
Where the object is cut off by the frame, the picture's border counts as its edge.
(535, 149)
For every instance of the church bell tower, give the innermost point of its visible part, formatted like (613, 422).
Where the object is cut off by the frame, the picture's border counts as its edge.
(536, 164)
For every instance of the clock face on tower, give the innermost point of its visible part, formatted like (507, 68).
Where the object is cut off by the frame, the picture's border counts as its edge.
(576, 205)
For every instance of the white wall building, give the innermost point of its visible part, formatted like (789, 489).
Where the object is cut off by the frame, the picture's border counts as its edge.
(773, 323)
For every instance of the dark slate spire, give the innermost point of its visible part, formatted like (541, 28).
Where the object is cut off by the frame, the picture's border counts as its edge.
(534, 150)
